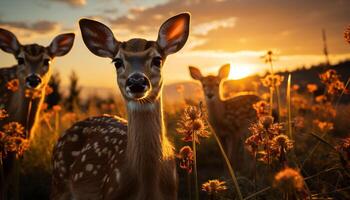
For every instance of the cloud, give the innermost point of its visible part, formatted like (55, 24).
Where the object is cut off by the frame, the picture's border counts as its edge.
(205, 28)
(73, 3)
(27, 31)
(293, 27)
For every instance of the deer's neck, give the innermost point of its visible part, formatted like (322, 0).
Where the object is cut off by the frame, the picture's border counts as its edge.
(216, 108)
(25, 110)
(147, 147)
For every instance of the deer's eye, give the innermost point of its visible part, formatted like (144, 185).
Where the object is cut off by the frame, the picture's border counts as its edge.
(47, 62)
(118, 63)
(20, 61)
(157, 61)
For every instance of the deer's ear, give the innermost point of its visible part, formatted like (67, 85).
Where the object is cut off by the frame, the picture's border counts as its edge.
(195, 73)
(98, 38)
(61, 44)
(8, 42)
(224, 71)
(173, 33)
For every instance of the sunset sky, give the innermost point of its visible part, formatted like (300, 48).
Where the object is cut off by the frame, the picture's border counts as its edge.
(222, 31)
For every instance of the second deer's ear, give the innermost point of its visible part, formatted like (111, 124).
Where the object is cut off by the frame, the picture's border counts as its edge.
(224, 71)
(8, 42)
(173, 33)
(195, 73)
(98, 38)
(61, 45)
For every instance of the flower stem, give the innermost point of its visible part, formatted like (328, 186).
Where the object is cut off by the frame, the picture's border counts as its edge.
(189, 186)
(228, 164)
(290, 134)
(195, 166)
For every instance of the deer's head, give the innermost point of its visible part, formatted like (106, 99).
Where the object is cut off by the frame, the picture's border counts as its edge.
(138, 62)
(211, 84)
(33, 67)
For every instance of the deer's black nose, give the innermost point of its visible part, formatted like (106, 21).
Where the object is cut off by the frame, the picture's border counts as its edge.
(137, 83)
(33, 81)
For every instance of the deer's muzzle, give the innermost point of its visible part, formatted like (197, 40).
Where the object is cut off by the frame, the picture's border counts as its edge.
(137, 85)
(33, 81)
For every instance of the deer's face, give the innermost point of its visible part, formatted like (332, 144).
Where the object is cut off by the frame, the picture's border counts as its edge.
(138, 62)
(33, 61)
(139, 72)
(211, 84)
(33, 69)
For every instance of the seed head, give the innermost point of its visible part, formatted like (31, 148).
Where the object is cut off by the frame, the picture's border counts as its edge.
(289, 180)
(214, 186)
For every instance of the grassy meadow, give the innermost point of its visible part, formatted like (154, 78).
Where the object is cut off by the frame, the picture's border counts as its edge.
(305, 154)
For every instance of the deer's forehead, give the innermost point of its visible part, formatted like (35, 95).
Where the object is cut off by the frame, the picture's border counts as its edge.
(210, 80)
(138, 55)
(33, 52)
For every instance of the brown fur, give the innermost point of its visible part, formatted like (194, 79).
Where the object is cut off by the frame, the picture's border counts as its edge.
(230, 118)
(143, 160)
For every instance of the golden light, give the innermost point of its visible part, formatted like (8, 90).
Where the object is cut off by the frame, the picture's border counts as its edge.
(239, 71)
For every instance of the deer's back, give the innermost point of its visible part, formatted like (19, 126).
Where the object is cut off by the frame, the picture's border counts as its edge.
(89, 156)
(239, 112)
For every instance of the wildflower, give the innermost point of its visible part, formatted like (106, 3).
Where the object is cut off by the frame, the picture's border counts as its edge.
(311, 87)
(295, 87)
(321, 99)
(268, 58)
(266, 121)
(214, 186)
(16, 144)
(13, 85)
(282, 141)
(262, 108)
(289, 180)
(271, 81)
(56, 108)
(13, 129)
(324, 126)
(329, 76)
(48, 90)
(333, 83)
(33, 94)
(192, 125)
(3, 114)
(347, 34)
(186, 158)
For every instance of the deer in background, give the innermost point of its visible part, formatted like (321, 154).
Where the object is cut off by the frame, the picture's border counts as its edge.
(32, 74)
(230, 118)
(106, 157)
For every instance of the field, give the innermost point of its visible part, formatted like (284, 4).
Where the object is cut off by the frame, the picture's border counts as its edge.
(173, 99)
(316, 151)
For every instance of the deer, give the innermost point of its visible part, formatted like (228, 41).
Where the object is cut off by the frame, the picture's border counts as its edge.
(107, 157)
(32, 73)
(230, 118)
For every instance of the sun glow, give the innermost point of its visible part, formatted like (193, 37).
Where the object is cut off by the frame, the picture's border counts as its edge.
(239, 71)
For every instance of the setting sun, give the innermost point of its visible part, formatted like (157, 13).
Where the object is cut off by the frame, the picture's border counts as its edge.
(239, 71)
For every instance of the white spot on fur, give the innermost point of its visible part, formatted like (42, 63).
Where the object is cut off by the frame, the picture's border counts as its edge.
(75, 153)
(89, 167)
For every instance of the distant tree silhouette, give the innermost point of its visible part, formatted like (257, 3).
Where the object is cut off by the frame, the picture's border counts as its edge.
(55, 97)
(73, 98)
